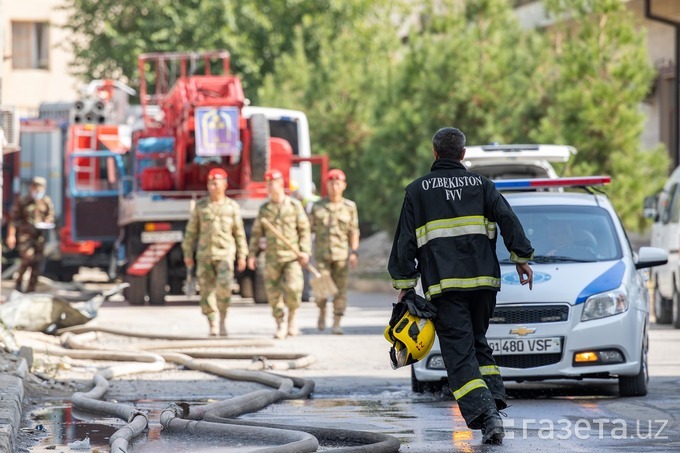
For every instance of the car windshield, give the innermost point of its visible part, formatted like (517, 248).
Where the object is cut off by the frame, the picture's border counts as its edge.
(567, 234)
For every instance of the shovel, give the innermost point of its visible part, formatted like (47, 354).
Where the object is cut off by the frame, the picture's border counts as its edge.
(322, 285)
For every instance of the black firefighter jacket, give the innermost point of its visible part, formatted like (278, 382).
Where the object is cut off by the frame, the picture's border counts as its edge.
(447, 232)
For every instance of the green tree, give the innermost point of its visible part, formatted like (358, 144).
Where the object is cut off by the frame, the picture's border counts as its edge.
(339, 85)
(109, 35)
(601, 75)
(470, 66)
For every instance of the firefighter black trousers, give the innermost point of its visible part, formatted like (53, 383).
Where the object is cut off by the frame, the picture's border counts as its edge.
(461, 324)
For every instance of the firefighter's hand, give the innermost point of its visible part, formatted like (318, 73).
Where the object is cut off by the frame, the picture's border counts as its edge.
(526, 275)
(252, 263)
(241, 264)
(189, 262)
(11, 241)
(303, 258)
(401, 295)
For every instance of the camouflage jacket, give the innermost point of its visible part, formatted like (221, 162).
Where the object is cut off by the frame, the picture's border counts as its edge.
(218, 229)
(290, 218)
(27, 212)
(333, 224)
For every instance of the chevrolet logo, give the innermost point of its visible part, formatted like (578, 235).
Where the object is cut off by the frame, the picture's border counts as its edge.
(522, 331)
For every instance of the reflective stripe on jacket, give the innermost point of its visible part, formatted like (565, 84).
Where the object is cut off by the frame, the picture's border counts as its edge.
(447, 232)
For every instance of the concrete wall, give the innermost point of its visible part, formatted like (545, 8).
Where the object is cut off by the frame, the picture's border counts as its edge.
(27, 88)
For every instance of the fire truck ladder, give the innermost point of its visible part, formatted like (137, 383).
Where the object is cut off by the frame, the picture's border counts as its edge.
(90, 141)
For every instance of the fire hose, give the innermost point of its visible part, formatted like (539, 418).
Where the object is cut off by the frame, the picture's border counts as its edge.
(215, 418)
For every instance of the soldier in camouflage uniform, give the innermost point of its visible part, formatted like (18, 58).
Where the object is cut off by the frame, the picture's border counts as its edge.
(335, 222)
(30, 216)
(282, 273)
(217, 226)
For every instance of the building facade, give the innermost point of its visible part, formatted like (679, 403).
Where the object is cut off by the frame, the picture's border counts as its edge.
(35, 64)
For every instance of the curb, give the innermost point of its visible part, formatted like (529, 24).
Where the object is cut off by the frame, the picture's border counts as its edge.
(12, 373)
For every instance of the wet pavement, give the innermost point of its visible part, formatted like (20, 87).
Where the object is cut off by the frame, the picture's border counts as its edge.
(356, 389)
(566, 417)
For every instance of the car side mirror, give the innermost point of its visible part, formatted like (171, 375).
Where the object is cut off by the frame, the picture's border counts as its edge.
(650, 257)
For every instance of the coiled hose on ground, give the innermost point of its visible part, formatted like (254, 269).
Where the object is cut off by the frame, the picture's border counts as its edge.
(215, 418)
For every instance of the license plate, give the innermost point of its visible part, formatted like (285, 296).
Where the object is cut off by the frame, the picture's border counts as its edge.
(510, 346)
(149, 237)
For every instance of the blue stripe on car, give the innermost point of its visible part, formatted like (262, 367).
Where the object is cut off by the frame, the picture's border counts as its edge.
(610, 279)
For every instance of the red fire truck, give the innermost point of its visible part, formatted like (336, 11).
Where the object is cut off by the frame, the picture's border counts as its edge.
(130, 187)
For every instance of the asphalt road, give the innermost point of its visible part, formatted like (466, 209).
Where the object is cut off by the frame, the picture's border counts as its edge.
(357, 389)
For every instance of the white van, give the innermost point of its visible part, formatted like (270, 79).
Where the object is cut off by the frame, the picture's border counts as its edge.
(664, 208)
(516, 161)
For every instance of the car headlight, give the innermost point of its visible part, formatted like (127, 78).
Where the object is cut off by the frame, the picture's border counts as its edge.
(605, 304)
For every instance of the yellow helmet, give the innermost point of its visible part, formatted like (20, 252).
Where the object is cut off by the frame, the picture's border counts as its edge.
(411, 337)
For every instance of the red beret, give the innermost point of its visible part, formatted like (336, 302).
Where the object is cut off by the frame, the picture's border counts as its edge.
(336, 174)
(217, 173)
(272, 174)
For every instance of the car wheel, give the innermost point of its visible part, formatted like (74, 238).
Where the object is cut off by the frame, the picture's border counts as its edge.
(676, 309)
(663, 309)
(416, 385)
(636, 385)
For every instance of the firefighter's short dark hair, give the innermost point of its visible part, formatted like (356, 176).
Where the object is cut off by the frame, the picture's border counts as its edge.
(449, 142)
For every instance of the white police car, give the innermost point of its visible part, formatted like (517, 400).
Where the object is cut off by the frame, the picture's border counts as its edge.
(588, 313)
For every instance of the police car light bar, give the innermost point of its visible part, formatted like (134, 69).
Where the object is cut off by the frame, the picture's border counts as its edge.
(523, 184)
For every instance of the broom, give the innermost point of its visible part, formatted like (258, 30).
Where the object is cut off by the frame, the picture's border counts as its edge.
(322, 285)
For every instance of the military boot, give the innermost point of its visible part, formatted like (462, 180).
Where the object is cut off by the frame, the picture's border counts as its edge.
(213, 327)
(492, 429)
(280, 329)
(321, 324)
(337, 330)
(223, 324)
(293, 330)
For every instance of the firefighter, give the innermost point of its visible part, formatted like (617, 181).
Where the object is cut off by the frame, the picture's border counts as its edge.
(335, 222)
(216, 224)
(32, 216)
(283, 277)
(446, 236)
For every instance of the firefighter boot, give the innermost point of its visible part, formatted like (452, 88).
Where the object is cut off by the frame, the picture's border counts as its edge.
(223, 324)
(321, 324)
(337, 330)
(492, 429)
(293, 330)
(213, 326)
(280, 329)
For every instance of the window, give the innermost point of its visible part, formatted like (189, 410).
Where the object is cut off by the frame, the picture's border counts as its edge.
(583, 233)
(30, 45)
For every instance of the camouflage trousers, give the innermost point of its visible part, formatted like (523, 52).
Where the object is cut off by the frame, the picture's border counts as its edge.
(215, 278)
(284, 283)
(31, 252)
(339, 271)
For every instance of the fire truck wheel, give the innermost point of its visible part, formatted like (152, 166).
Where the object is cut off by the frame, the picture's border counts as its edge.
(245, 284)
(135, 294)
(158, 280)
(260, 152)
(176, 285)
(259, 293)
